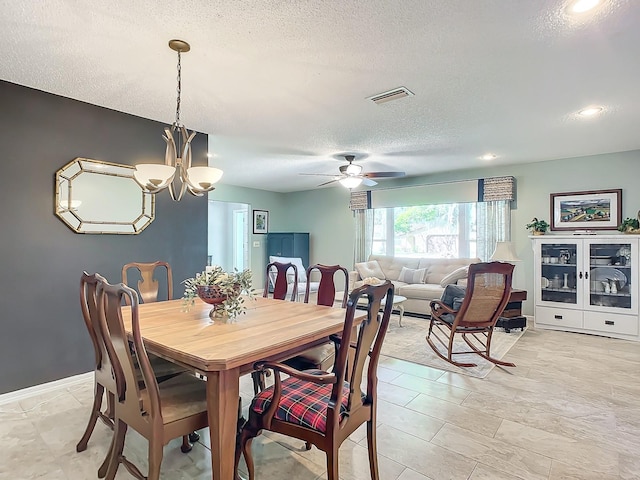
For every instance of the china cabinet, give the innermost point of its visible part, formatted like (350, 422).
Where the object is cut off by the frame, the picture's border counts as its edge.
(587, 283)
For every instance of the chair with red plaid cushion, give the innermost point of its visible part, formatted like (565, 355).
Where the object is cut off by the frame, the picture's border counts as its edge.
(322, 408)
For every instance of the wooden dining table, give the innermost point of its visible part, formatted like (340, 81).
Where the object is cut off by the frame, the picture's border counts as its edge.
(224, 350)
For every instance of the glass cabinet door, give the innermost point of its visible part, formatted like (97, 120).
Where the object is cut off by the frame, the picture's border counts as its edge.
(560, 272)
(611, 275)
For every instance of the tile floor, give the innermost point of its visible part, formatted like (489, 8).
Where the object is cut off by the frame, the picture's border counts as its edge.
(570, 410)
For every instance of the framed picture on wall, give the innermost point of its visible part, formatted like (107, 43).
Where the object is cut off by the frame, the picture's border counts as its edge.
(260, 221)
(592, 210)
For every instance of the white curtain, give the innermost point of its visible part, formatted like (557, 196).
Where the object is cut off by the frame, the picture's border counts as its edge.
(494, 225)
(364, 235)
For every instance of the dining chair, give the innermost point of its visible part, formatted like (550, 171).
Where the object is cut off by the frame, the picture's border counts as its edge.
(474, 316)
(277, 277)
(325, 408)
(148, 287)
(157, 411)
(322, 356)
(104, 381)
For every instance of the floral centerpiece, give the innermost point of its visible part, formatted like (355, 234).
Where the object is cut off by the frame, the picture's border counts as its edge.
(221, 289)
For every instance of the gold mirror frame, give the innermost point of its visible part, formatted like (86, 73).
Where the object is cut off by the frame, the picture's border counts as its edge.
(99, 197)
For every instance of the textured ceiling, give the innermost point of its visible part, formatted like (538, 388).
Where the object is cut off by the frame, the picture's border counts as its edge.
(281, 86)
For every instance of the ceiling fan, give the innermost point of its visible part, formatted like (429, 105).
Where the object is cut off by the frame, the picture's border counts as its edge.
(351, 175)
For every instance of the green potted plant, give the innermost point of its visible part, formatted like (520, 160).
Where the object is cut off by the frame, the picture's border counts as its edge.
(630, 225)
(221, 289)
(537, 227)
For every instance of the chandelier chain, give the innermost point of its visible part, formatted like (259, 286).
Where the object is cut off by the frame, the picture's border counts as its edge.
(178, 90)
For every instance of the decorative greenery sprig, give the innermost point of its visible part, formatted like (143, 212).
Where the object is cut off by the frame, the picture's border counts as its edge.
(233, 285)
(629, 224)
(537, 225)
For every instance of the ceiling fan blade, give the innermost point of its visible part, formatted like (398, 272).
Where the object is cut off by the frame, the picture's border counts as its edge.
(368, 183)
(328, 183)
(384, 174)
(319, 174)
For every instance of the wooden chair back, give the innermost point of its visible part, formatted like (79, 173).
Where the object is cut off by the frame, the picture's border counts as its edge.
(107, 366)
(148, 286)
(367, 345)
(327, 288)
(280, 282)
(486, 296)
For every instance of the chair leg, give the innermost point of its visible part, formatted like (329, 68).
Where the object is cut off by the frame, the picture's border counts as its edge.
(116, 451)
(194, 437)
(373, 449)
(448, 357)
(245, 441)
(110, 411)
(186, 446)
(258, 382)
(155, 458)
(93, 418)
(485, 354)
(332, 463)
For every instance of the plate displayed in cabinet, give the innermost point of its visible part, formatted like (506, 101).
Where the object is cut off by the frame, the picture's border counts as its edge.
(604, 274)
(544, 282)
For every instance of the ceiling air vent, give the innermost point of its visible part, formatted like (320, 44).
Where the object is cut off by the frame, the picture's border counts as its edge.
(394, 94)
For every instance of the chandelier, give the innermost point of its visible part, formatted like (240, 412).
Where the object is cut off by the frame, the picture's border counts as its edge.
(177, 159)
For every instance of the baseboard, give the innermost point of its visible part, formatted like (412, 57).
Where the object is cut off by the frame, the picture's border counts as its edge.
(18, 395)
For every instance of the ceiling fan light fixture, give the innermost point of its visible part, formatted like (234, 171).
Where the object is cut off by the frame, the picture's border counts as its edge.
(350, 182)
(353, 169)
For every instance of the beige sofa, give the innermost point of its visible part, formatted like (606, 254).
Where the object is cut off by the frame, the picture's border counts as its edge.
(422, 286)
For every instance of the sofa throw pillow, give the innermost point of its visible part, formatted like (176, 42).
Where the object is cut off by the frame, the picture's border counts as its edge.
(297, 261)
(453, 277)
(452, 296)
(370, 269)
(410, 275)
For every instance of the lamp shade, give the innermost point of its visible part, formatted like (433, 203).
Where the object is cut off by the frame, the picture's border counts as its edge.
(351, 182)
(505, 252)
(201, 179)
(153, 177)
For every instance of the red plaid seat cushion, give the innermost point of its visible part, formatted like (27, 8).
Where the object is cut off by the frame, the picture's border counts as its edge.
(302, 403)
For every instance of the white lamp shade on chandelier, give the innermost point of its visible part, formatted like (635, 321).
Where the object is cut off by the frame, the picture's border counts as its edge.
(505, 252)
(177, 162)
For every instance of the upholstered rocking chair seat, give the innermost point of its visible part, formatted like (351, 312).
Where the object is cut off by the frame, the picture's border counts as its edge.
(302, 403)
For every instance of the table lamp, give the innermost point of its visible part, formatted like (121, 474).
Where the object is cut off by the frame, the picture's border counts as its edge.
(504, 252)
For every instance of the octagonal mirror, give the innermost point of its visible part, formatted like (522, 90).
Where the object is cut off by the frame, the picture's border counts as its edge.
(101, 197)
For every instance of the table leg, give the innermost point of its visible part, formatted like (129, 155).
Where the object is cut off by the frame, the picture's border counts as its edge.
(401, 311)
(223, 391)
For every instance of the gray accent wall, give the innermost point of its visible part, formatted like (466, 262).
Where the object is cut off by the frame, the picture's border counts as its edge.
(43, 337)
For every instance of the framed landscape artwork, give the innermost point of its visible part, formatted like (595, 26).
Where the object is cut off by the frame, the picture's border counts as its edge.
(592, 210)
(260, 221)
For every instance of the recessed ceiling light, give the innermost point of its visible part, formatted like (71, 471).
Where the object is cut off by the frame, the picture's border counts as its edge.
(488, 156)
(590, 111)
(581, 6)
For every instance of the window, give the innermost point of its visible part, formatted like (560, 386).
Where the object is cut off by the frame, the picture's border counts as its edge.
(435, 231)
